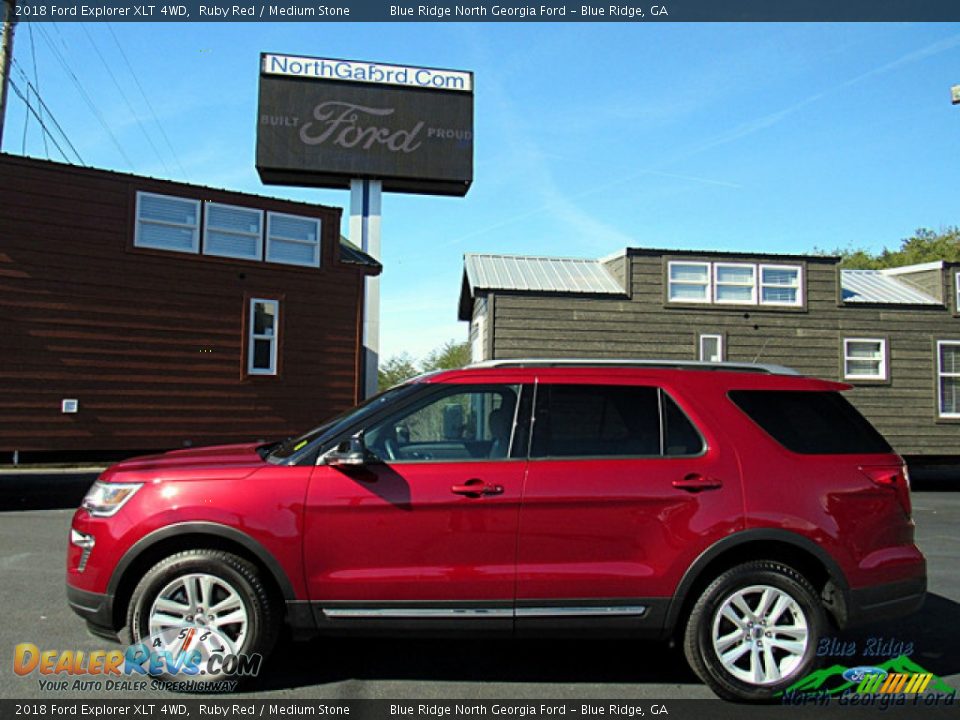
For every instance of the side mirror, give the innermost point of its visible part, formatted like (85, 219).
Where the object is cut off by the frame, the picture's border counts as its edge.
(349, 453)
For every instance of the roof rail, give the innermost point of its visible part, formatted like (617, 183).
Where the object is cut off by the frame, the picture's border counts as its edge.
(766, 368)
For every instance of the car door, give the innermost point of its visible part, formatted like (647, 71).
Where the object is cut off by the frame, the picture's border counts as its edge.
(427, 532)
(622, 489)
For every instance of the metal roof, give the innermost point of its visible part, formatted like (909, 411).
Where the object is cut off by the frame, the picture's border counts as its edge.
(352, 255)
(543, 274)
(875, 286)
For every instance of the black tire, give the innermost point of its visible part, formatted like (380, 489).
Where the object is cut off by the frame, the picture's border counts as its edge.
(698, 643)
(262, 610)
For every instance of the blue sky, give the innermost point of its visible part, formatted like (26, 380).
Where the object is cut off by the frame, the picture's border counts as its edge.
(589, 137)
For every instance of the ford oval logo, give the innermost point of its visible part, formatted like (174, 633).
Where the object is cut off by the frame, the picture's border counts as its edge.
(856, 674)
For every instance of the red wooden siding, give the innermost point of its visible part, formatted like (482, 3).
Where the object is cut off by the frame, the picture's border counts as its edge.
(152, 343)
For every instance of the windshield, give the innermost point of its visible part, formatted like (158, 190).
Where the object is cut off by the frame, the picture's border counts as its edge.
(291, 446)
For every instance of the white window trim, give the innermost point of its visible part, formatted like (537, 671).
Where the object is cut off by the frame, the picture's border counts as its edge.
(717, 284)
(706, 284)
(708, 336)
(315, 244)
(798, 286)
(940, 375)
(478, 344)
(137, 242)
(258, 234)
(274, 339)
(956, 287)
(881, 368)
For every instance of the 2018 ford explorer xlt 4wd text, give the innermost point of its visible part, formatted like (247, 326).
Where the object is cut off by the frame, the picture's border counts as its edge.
(744, 510)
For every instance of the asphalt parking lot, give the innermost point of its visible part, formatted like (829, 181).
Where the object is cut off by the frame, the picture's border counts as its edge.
(32, 544)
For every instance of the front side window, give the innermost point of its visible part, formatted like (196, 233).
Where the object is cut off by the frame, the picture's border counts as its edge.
(293, 240)
(688, 282)
(948, 378)
(578, 421)
(167, 223)
(263, 337)
(234, 232)
(455, 424)
(735, 283)
(780, 285)
(864, 359)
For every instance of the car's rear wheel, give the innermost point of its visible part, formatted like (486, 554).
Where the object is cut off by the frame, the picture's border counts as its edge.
(203, 602)
(754, 631)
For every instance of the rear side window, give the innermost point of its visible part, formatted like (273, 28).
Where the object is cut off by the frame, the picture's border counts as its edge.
(610, 421)
(811, 423)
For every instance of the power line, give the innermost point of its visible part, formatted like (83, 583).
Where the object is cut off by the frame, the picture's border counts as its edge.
(146, 99)
(90, 104)
(46, 108)
(36, 83)
(20, 94)
(133, 112)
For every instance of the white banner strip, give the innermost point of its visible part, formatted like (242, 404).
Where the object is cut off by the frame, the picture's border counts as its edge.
(367, 72)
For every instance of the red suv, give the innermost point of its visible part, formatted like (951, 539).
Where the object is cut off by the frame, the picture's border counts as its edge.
(743, 509)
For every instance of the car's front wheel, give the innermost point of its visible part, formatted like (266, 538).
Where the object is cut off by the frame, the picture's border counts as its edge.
(754, 631)
(198, 609)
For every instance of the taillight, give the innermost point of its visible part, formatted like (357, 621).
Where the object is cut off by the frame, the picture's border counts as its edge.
(895, 477)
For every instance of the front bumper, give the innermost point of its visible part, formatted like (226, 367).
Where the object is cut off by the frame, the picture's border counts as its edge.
(96, 609)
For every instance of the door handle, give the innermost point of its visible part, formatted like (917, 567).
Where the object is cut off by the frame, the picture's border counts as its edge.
(476, 487)
(695, 482)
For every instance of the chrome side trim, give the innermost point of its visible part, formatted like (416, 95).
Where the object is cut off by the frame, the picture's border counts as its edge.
(418, 613)
(445, 613)
(606, 611)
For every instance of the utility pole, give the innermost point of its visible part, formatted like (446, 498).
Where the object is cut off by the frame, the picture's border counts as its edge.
(6, 57)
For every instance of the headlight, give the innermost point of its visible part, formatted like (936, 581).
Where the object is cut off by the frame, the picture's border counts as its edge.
(105, 499)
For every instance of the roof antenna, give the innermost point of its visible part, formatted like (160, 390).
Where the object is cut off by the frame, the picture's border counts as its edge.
(762, 347)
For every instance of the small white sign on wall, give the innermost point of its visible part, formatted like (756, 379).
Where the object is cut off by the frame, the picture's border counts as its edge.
(69, 406)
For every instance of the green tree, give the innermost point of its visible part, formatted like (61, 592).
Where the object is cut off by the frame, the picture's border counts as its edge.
(402, 367)
(449, 356)
(924, 245)
(395, 370)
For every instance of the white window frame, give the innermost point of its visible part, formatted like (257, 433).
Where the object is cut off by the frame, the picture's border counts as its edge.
(252, 336)
(881, 368)
(258, 235)
(707, 283)
(316, 245)
(956, 287)
(478, 344)
(717, 284)
(710, 336)
(940, 375)
(798, 286)
(138, 242)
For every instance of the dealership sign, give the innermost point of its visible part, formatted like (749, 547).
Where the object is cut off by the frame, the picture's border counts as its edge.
(324, 122)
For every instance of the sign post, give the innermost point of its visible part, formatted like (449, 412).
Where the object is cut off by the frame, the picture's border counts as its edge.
(365, 232)
(370, 128)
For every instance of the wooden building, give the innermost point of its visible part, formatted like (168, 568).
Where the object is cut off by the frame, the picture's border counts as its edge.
(893, 334)
(142, 314)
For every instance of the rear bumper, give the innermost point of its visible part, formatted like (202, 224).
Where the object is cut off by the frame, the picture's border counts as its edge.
(886, 602)
(95, 608)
